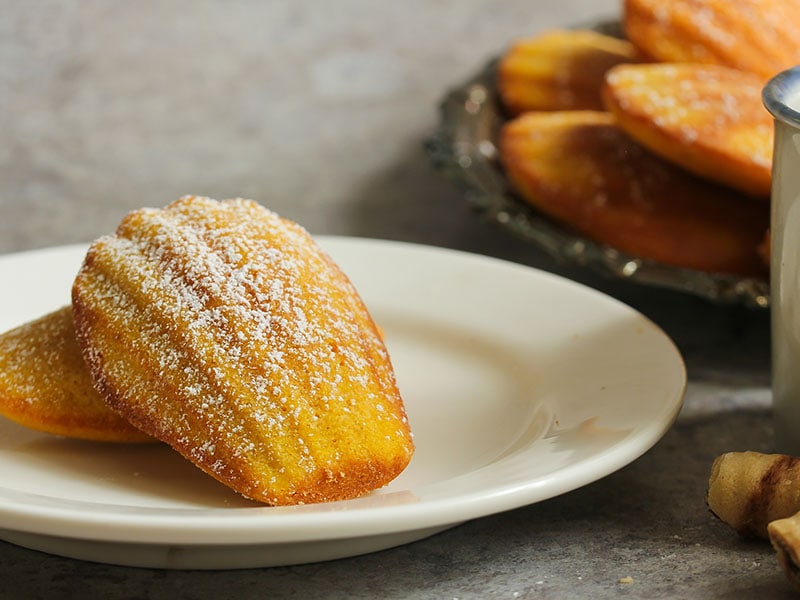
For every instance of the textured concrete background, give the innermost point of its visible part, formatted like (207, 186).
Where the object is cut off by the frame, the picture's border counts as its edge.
(319, 110)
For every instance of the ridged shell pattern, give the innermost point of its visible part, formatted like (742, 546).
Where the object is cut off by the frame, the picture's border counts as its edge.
(225, 331)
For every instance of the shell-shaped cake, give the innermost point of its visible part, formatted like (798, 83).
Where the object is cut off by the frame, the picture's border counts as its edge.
(581, 169)
(708, 119)
(223, 330)
(559, 70)
(45, 386)
(758, 36)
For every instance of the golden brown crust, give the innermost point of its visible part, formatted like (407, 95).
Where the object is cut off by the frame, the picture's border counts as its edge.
(44, 384)
(707, 119)
(758, 36)
(223, 330)
(559, 70)
(580, 169)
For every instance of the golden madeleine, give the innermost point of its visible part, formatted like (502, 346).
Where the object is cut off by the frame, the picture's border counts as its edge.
(44, 384)
(225, 331)
(706, 118)
(559, 70)
(579, 168)
(759, 36)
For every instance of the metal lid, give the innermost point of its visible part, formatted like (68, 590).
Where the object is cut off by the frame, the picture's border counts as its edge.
(777, 93)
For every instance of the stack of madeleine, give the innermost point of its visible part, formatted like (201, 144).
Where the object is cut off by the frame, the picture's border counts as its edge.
(657, 144)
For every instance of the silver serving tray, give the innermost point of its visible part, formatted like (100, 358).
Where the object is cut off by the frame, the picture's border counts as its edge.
(463, 149)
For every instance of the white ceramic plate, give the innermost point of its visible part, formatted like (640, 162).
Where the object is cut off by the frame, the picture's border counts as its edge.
(519, 386)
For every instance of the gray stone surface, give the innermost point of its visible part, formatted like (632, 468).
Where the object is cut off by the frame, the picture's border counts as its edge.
(319, 110)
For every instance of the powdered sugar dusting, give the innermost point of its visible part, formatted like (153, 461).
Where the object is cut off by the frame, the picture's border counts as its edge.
(26, 354)
(45, 386)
